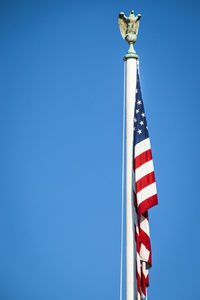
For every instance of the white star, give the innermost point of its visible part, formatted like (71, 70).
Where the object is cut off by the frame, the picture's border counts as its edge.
(139, 131)
(139, 102)
(135, 120)
(136, 91)
(141, 123)
(137, 111)
(147, 127)
(143, 115)
(133, 128)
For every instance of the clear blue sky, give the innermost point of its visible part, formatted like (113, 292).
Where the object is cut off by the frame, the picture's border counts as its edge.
(61, 88)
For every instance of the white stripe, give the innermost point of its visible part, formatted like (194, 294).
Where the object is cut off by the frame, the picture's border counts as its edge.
(144, 224)
(142, 147)
(144, 255)
(144, 170)
(145, 193)
(144, 269)
(137, 229)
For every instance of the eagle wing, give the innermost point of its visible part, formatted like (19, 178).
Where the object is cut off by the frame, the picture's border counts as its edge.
(137, 23)
(122, 24)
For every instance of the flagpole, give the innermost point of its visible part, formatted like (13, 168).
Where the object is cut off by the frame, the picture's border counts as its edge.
(129, 28)
(131, 72)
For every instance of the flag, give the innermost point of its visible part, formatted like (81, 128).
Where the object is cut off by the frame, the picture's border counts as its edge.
(144, 193)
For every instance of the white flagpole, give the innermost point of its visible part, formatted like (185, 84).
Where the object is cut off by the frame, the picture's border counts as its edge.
(131, 76)
(129, 29)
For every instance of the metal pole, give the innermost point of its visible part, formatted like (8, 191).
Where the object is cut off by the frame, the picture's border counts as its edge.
(129, 29)
(131, 76)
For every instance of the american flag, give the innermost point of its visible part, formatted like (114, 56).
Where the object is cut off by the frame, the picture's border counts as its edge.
(144, 192)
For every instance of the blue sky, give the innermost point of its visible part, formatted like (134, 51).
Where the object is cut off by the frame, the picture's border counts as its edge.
(61, 141)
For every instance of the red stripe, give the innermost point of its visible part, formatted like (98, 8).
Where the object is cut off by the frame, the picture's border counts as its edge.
(135, 200)
(145, 181)
(147, 204)
(142, 159)
(143, 283)
(137, 239)
(145, 240)
(138, 283)
(147, 280)
(145, 215)
(150, 260)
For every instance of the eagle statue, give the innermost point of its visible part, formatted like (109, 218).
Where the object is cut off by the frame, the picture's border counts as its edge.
(129, 27)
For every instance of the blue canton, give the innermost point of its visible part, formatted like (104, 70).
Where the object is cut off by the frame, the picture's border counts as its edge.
(139, 122)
